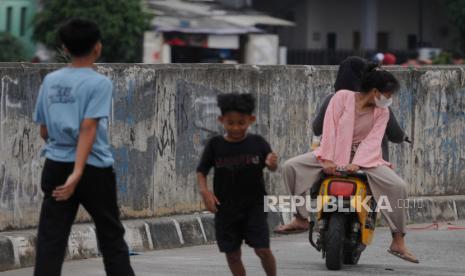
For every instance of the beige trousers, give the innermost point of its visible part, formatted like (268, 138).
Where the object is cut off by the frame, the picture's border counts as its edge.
(301, 172)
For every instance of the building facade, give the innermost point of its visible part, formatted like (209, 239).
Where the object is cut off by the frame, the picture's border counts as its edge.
(363, 24)
(16, 18)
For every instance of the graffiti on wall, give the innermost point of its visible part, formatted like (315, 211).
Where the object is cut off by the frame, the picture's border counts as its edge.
(161, 118)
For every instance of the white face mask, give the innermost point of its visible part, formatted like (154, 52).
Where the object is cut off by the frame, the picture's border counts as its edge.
(383, 102)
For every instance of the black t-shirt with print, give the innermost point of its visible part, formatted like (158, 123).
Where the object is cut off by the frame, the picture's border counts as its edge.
(238, 178)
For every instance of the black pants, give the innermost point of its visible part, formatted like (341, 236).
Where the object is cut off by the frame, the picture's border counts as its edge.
(97, 193)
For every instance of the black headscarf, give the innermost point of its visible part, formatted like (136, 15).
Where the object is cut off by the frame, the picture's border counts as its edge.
(349, 75)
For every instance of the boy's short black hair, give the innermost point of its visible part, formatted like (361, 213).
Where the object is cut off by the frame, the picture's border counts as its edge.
(376, 77)
(79, 36)
(235, 102)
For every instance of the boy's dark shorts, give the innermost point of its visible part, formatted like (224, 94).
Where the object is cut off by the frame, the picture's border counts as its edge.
(249, 225)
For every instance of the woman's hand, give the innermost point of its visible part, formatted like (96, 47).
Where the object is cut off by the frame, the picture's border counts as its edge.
(352, 168)
(329, 167)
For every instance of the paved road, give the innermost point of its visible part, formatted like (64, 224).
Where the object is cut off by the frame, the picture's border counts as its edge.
(442, 252)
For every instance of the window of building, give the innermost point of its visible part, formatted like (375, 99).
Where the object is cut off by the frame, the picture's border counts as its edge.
(331, 41)
(412, 42)
(357, 41)
(382, 42)
(9, 15)
(22, 30)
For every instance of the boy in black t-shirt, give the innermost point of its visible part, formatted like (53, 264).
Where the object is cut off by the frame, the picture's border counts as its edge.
(239, 188)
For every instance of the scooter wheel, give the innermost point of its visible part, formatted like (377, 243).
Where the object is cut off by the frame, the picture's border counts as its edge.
(335, 241)
(352, 257)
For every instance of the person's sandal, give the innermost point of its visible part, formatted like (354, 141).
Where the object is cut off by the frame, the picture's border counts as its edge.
(409, 257)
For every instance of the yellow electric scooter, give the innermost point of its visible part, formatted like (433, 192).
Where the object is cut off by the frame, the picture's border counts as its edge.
(345, 220)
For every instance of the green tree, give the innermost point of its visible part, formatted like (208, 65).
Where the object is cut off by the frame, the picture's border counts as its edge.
(122, 23)
(11, 49)
(456, 11)
(443, 58)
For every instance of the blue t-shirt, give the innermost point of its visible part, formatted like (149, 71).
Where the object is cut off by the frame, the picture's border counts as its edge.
(67, 97)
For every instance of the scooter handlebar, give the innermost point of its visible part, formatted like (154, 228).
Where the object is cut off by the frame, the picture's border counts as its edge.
(341, 171)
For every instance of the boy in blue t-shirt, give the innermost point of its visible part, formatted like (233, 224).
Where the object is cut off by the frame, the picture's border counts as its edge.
(72, 110)
(239, 187)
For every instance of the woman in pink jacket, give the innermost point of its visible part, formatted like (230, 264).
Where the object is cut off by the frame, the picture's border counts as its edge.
(354, 126)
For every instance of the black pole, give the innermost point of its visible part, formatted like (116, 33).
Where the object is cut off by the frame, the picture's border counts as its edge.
(420, 23)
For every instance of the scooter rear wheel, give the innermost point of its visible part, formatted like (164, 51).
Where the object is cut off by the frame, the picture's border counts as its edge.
(335, 241)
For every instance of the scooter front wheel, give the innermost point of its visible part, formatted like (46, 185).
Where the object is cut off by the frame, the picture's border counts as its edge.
(335, 241)
(352, 257)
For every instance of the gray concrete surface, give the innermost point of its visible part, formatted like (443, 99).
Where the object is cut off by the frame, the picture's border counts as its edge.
(163, 114)
(441, 252)
(17, 248)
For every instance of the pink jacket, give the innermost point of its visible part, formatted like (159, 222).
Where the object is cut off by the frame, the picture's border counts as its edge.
(338, 131)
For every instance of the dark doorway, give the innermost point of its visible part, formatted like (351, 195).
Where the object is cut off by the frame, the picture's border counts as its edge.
(357, 41)
(382, 41)
(331, 41)
(412, 42)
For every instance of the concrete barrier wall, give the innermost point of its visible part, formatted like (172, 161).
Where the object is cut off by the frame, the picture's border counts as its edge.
(162, 115)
